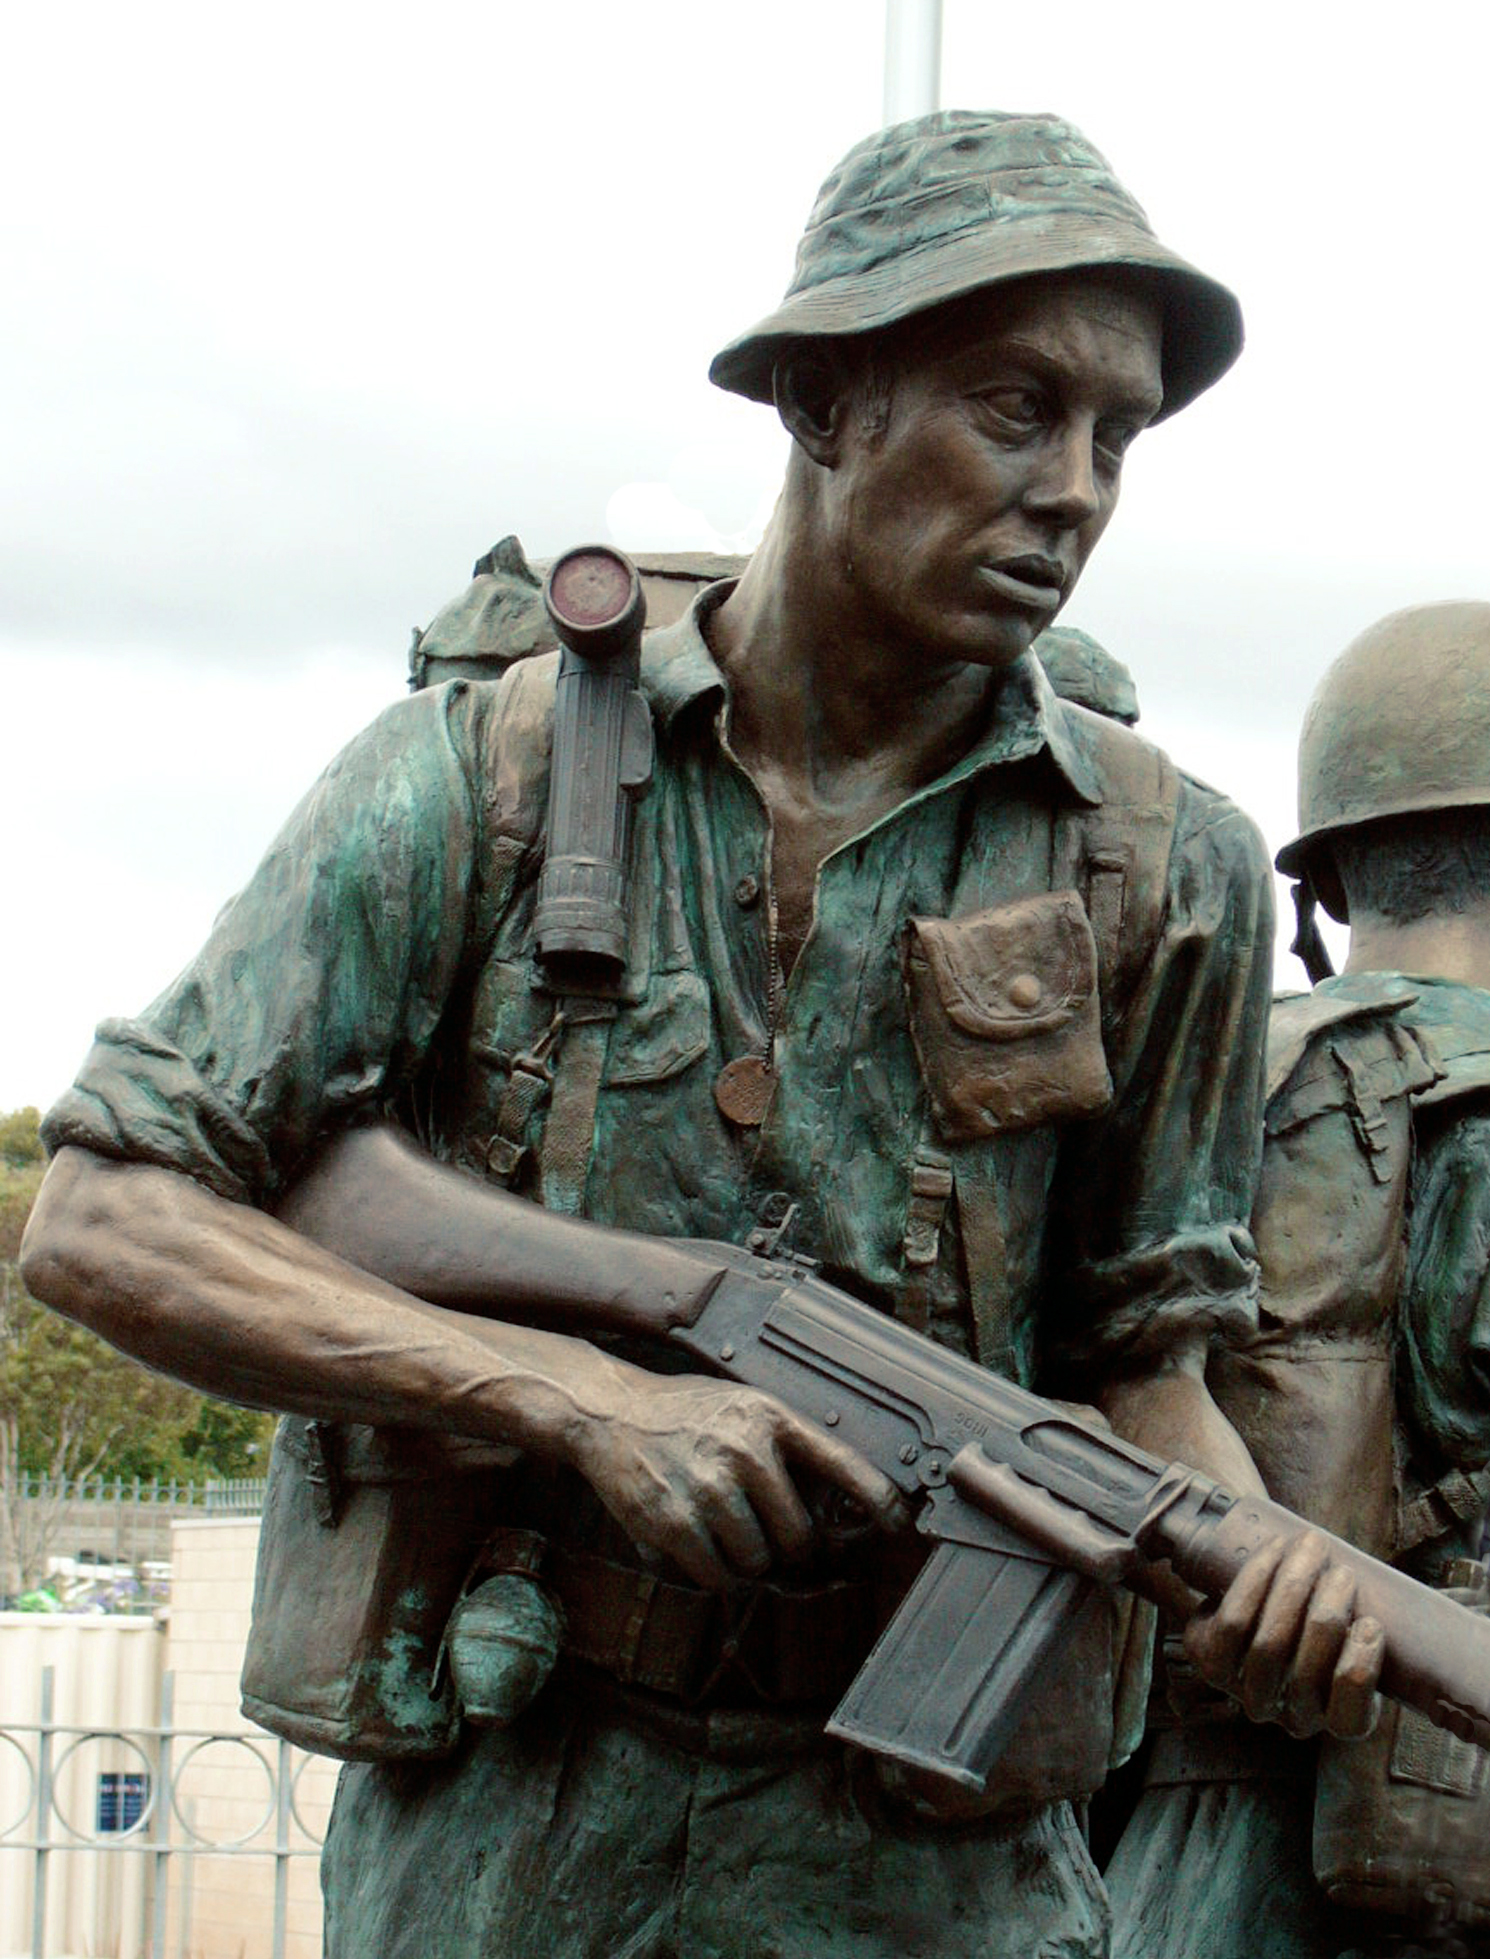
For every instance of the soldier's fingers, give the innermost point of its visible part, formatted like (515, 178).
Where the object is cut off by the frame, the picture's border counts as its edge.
(727, 1512)
(681, 1535)
(1353, 1705)
(1307, 1689)
(1215, 1639)
(853, 1473)
(1279, 1625)
(777, 1507)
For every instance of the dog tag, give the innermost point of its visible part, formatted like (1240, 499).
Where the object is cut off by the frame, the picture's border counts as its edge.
(743, 1090)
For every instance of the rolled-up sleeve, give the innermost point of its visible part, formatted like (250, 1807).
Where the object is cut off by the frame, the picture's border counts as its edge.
(322, 983)
(1151, 1208)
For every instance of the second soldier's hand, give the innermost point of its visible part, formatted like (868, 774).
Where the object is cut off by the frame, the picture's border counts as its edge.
(1285, 1641)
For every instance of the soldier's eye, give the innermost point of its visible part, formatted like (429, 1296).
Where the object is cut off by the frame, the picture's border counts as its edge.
(1111, 442)
(1017, 408)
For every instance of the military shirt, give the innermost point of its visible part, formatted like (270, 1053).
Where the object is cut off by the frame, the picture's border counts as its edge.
(985, 1122)
(381, 957)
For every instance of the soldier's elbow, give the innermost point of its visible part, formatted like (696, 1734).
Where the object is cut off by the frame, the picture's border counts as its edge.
(64, 1257)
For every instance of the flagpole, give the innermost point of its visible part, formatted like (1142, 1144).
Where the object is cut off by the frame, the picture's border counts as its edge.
(913, 58)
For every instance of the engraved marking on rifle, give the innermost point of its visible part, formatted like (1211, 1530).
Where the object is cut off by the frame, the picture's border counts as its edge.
(969, 1423)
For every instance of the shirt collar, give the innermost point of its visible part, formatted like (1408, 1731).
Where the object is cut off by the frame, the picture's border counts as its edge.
(1026, 716)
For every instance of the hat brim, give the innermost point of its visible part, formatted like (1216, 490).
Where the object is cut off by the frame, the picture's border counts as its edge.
(1202, 319)
(1295, 857)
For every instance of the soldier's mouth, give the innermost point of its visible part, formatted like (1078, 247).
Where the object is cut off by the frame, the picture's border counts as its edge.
(1039, 583)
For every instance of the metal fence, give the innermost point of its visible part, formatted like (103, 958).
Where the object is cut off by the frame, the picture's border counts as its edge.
(217, 1496)
(144, 1808)
(115, 1520)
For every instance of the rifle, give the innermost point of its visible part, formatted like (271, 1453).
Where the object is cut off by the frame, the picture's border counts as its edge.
(1027, 1505)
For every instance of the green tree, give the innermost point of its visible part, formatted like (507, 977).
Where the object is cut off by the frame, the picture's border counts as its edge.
(20, 1138)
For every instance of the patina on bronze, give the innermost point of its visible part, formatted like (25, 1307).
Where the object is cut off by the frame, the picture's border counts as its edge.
(858, 734)
(1362, 1397)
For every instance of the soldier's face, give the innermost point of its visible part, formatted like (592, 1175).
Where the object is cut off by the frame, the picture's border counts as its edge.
(963, 521)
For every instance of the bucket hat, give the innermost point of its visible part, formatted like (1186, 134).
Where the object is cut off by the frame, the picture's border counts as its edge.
(927, 211)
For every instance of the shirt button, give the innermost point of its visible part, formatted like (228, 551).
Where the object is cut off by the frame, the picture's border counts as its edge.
(1024, 992)
(747, 892)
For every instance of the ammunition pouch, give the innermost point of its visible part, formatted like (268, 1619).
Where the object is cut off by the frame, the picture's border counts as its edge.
(366, 1537)
(1402, 1818)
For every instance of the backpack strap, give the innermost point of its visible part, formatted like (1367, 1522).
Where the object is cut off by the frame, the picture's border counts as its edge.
(1116, 853)
(555, 1085)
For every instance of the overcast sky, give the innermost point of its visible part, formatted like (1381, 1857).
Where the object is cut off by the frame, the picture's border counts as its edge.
(303, 306)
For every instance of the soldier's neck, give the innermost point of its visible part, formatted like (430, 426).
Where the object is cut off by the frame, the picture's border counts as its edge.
(845, 719)
(1454, 946)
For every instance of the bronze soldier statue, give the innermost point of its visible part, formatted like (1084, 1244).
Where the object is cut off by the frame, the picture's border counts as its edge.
(928, 977)
(1363, 1394)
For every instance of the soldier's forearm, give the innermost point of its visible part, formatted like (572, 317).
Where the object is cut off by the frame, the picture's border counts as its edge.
(239, 1305)
(1168, 1409)
(375, 1198)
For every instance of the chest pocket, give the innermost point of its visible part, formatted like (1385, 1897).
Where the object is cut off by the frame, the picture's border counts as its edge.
(1005, 1016)
(666, 1031)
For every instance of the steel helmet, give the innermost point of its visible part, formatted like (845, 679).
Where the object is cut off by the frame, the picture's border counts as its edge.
(1399, 724)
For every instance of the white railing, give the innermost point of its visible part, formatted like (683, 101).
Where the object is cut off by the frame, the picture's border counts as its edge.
(160, 1798)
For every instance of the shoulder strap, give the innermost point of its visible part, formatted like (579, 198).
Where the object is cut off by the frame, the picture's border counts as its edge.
(1116, 853)
(557, 1085)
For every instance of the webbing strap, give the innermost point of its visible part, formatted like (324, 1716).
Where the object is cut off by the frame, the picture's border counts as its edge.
(926, 1211)
(569, 1133)
(1457, 1499)
(764, 1645)
(1116, 854)
(530, 1080)
(980, 1215)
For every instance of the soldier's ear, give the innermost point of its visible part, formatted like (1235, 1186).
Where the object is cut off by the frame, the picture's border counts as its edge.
(812, 386)
(1329, 886)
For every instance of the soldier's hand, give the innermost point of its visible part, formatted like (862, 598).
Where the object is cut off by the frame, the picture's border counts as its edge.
(1285, 1641)
(703, 1471)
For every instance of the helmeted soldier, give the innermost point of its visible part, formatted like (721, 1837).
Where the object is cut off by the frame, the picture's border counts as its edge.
(1364, 1394)
(965, 982)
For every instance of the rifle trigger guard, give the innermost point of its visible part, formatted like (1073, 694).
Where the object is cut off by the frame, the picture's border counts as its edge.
(1065, 1534)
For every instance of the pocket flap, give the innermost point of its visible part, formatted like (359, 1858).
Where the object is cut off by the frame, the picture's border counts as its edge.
(1023, 968)
(1005, 1016)
(664, 1033)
